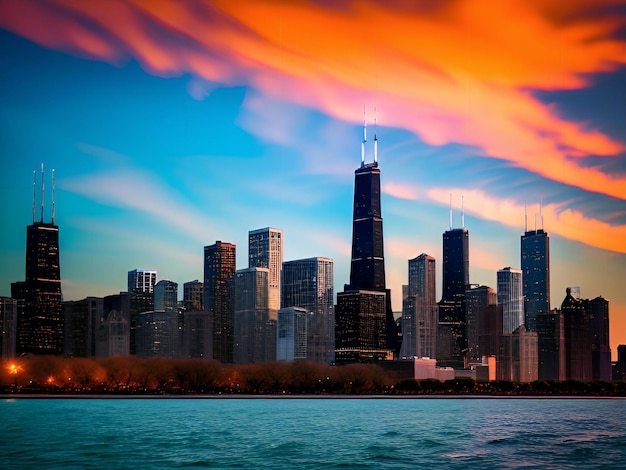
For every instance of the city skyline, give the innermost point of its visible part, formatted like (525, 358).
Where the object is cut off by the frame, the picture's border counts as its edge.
(166, 139)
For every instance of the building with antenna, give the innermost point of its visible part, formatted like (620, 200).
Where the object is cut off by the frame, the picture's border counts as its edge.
(451, 332)
(39, 298)
(535, 263)
(365, 327)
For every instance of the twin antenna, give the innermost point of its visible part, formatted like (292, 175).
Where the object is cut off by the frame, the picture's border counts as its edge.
(540, 217)
(462, 212)
(365, 139)
(42, 194)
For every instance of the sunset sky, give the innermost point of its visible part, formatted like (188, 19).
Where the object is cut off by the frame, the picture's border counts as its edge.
(173, 124)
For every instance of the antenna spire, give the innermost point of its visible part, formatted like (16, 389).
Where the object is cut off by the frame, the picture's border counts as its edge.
(541, 212)
(450, 211)
(462, 213)
(525, 218)
(53, 196)
(364, 139)
(535, 222)
(375, 139)
(34, 193)
(42, 192)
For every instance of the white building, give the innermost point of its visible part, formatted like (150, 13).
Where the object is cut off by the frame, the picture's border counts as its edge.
(141, 280)
(511, 299)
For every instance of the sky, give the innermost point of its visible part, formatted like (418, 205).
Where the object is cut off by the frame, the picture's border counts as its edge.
(173, 124)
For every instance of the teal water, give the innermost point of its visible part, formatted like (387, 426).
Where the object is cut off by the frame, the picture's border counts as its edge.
(312, 433)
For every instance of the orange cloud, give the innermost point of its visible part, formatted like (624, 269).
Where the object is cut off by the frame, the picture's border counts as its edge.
(567, 223)
(453, 72)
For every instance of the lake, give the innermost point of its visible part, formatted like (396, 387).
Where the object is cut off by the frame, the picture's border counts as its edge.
(324, 432)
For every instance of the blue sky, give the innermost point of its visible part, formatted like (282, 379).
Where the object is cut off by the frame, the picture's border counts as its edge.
(154, 161)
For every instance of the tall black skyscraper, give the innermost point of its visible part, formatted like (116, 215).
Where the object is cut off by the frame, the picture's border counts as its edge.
(40, 309)
(535, 258)
(219, 296)
(451, 332)
(367, 334)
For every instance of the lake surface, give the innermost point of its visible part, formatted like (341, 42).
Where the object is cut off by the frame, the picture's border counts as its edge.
(313, 433)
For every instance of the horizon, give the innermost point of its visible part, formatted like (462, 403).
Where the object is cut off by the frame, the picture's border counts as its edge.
(174, 125)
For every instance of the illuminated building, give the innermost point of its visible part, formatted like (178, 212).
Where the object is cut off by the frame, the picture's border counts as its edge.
(535, 261)
(39, 298)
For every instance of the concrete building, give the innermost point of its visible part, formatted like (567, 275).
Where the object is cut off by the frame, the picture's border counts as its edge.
(291, 337)
(142, 280)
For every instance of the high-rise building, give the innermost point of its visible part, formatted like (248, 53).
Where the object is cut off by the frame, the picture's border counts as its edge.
(193, 293)
(598, 313)
(219, 296)
(142, 280)
(367, 274)
(8, 327)
(252, 325)
(165, 295)
(265, 250)
(113, 337)
(159, 334)
(82, 321)
(39, 298)
(291, 335)
(420, 310)
(517, 359)
(511, 298)
(198, 334)
(477, 299)
(451, 332)
(535, 260)
(577, 338)
(308, 284)
(551, 346)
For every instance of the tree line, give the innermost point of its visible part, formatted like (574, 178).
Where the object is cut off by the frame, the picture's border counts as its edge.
(133, 375)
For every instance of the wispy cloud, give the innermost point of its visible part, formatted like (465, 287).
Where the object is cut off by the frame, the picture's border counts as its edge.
(467, 77)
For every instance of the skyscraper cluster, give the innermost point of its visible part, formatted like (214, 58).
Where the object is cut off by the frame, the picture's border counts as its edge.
(284, 310)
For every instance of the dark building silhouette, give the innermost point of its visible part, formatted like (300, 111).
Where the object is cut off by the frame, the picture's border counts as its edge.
(39, 298)
(619, 371)
(82, 321)
(477, 299)
(193, 292)
(451, 331)
(219, 296)
(367, 272)
(577, 338)
(551, 345)
(535, 260)
(490, 331)
(598, 313)
(8, 327)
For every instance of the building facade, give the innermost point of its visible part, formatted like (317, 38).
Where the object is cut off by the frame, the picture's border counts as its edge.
(477, 299)
(193, 293)
(219, 296)
(165, 295)
(265, 250)
(308, 283)
(292, 336)
(535, 262)
(511, 298)
(577, 338)
(551, 345)
(82, 322)
(598, 314)
(142, 280)
(8, 327)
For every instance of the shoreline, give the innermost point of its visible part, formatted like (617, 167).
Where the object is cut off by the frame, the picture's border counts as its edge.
(83, 396)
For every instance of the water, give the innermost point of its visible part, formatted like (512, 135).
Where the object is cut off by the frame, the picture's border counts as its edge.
(312, 433)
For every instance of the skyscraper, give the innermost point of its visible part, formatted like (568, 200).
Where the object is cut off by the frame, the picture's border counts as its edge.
(510, 297)
(253, 339)
(165, 295)
(142, 280)
(577, 338)
(420, 310)
(477, 299)
(291, 336)
(551, 345)
(535, 259)
(358, 330)
(598, 313)
(451, 332)
(82, 321)
(308, 284)
(39, 298)
(265, 250)
(219, 296)
(8, 327)
(193, 292)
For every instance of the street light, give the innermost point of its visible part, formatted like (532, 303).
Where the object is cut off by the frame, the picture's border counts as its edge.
(13, 368)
